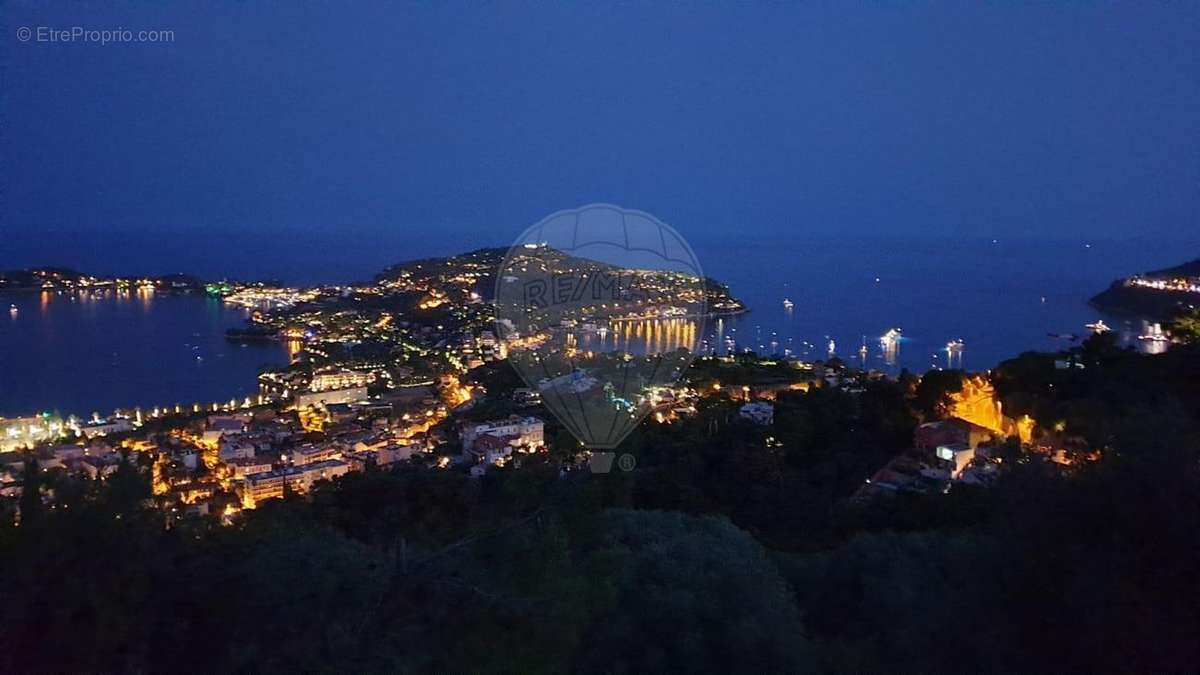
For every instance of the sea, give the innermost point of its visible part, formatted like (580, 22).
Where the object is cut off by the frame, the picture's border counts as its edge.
(74, 354)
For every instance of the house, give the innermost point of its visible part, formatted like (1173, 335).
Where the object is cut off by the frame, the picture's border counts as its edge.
(190, 493)
(950, 432)
(246, 466)
(219, 426)
(903, 473)
(310, 454)
(99, 427)
(398, 453)
(373, 443)
(489, 449)
(954, 458)
(341, 412)
(528, 431)
(236, 448)
(190, 458)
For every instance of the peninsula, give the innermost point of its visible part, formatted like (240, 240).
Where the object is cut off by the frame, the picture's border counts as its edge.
(1160, 294)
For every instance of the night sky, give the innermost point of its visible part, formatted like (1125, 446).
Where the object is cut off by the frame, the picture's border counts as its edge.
(1015, 119)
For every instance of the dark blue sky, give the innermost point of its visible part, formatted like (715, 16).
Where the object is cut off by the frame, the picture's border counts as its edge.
(1014, 119)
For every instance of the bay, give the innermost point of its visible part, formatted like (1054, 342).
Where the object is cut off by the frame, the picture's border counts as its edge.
(999, 296)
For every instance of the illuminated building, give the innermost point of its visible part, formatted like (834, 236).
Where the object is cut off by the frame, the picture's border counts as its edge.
(951, 432)
(242, 467)
(527, 431)
(220, 426)
(340, 378)
(313, 399)
(300, 479)
(398, 453)
(311, 454)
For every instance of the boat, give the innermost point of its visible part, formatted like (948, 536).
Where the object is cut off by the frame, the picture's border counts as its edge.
(1154, 333)
(954, 346)
(12, 309)
(1097, 327)
(788, 304)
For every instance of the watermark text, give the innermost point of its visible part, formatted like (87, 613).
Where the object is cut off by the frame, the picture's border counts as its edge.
(98, 36)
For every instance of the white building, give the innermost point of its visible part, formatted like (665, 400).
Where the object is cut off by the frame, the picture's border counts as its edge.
(310, 454)
(234, 448)
(519, 431)
(220, 426)
(398, 453)
(243, 467)
(340, 378)
(270, 485)
(956, 457)
(312, 399)
(190, 458)
(106, 427)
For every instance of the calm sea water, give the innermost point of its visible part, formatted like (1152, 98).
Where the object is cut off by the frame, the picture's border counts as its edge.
(79, 354)
(999, 297)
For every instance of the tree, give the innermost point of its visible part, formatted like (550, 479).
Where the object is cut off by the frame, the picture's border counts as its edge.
(933, 395)
(1187, 326)
(31, 492)
(679, 593)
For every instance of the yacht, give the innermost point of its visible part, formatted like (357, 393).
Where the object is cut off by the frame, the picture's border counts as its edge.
(1154, 333)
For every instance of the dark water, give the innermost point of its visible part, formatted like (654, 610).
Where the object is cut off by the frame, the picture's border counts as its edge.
(1000, 298)
(83, 353)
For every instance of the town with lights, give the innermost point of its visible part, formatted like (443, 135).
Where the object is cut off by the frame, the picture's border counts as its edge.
(411, 370)
(407, 393)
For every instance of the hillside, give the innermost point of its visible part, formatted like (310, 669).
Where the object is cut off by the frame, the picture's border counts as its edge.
(1132, 295)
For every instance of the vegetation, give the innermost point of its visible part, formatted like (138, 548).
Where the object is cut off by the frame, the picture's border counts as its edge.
(1186, 326)
(731, 547)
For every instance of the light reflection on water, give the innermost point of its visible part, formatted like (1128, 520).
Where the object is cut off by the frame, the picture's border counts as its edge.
(96, 351)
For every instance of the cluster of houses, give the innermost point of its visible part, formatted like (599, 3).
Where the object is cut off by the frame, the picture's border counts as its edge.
(477, 350)
(944, 452)
(95, 459)
(224, 462)
(494, 442)
(258, 458)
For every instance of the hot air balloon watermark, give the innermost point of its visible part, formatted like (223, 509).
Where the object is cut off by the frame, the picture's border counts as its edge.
(602, 308)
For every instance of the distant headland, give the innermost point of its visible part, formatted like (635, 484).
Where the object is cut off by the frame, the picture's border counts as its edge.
(64, 279)
(1161, 294)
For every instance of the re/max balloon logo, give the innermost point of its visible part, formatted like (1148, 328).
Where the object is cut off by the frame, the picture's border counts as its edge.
(576, 288)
